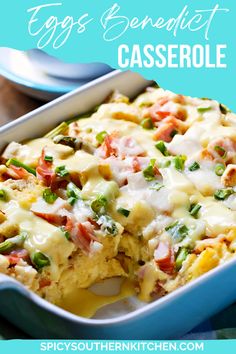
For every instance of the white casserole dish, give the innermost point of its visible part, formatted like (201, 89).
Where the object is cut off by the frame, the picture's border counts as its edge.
(169, 317)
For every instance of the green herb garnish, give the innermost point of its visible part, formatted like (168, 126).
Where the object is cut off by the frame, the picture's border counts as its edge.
(181, 256)
(65, 232)
(194, 209)
(100, 137)
(49, 196)
(124, 212)
(204, 109)
(195, 166)
(179, 162)
(173, 133)
(222, 194)
(147, 123)
(160, 145)
(178, 231)
(99, 205)
(12, 242)
(219, 169)
(149, 172)
(61, 171)
(58, 130)
(48, 158)
(40, 260)
(3, 195)
(107, 225)
(164, 164)
(220, 151)
(18, 163)
(157, 186)
(73, 191)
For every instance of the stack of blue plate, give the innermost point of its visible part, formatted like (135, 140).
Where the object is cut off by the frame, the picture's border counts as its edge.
(45, 77)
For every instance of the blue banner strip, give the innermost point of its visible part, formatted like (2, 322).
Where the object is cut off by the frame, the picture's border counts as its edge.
(98, 346)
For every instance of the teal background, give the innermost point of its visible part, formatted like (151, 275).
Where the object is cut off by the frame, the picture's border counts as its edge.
(91, 47)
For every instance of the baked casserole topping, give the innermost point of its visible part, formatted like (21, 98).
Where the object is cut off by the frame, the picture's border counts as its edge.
(144, 190)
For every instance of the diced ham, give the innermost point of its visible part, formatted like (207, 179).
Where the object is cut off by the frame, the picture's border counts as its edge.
(44, 171)
(51, 212)
(15, 256)
(44, 282)
(19, 172)
(164, 257)
(122, 147)
(228, 149)
(82, 234)
(164, 132)
(229, 176)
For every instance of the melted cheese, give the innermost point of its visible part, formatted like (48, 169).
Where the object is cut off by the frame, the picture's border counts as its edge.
(42, 236)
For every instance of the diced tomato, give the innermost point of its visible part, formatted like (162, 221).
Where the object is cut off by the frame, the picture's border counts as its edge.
(164, 257)
(15, 256)
(44, 171)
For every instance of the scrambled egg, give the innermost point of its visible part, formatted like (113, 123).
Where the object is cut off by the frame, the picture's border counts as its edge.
(144, 190)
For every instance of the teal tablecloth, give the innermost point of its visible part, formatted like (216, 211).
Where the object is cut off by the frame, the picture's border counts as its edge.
(221, 326)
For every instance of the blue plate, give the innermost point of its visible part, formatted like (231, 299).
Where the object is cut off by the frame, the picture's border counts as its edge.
(17, 67)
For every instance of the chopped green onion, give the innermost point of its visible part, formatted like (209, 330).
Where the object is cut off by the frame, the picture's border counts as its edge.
(178, 231)
(99, 205)
(73, 191)
(164, 164)
(173, 133)
(100, 137)
(195, 166)
(67, 141)
(48, 158)
(17, 163)
(204, 109)
(148, 172)
(72, 200)
(179, 162)
(160, 145)
(49, 196)
(3, 195)
(12, 242)
(40, 260)
(61, 171)
(157, 186)
(124, 212)
(224, 109)
(181, 256)
(107, 225)
(65, 232)
(222, 194)
(219, 169)
(147, 123)
(221, 151)
(194, 209)
(56, 131)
